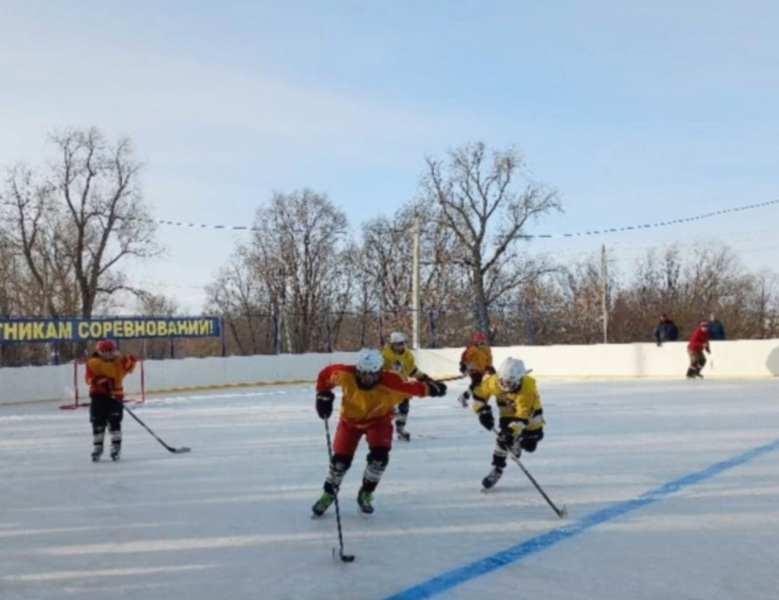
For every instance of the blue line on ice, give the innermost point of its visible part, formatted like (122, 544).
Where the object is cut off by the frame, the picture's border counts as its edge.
(455, 577)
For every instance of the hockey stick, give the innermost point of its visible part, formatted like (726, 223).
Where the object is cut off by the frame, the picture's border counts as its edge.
(154, 435)
(452, 378)
(562, 513)
(442, 379)
(344, 557)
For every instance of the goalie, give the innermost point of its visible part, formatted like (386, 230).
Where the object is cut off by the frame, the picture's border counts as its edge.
(521, 424)
(106, 370)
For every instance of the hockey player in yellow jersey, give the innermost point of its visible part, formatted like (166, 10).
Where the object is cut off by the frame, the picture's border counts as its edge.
(521, 422)
(399, 359)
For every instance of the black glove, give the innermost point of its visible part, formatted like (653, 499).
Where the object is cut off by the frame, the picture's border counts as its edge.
(324, 404)
(463, 367)
(435, 388)
(486, 417)
(423, 378)
(528, 440)
(490, 370)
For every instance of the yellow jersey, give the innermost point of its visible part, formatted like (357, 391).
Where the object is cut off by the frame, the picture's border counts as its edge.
(477, 359)
(114, 370)
(524, 405)
(366, 405)
(403, 364)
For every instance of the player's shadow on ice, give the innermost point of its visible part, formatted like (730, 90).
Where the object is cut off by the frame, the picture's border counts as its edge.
(772, 362)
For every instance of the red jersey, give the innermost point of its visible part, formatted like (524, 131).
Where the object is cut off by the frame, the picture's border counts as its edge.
(377, 402)
(699, 341)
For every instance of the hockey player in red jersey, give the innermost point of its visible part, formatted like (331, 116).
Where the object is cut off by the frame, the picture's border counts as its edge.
(476, 361)
(370, 395)
(699, 343)
(106, 370)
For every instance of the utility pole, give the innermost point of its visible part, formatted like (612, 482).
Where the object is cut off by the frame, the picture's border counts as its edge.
(52, 351)
(416, 304)
(605, 291)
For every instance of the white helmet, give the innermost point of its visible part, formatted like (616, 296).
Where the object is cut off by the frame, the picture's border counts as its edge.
(510, 374)
(369, 365)
(397, 338)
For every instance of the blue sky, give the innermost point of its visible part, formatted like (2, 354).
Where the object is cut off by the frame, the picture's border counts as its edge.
(634, 112)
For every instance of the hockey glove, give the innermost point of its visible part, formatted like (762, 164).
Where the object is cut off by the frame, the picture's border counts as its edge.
(324, 404)
(486, 418)
(529, 439)
(463, 367)
(435, 388)
(104, 384)
(490, 370)
(423, 378)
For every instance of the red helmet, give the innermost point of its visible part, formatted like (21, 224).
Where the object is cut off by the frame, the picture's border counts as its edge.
(479, 338)
(105, 346)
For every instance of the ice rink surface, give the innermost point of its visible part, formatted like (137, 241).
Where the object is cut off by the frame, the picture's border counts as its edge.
(231, 520)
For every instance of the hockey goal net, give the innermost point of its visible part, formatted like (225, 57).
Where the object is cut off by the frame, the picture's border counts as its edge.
(134, 386)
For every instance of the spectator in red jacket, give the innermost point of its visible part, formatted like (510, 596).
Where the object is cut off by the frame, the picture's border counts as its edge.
(699, 342)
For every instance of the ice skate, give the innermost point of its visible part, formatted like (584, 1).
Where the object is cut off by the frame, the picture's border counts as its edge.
(490, 480)
(364, 502)
(116, 451)
(401, 432)
(463, 399)
(324, 502)
(97, 452)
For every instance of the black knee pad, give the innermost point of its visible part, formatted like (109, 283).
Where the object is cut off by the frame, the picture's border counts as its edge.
(342, 462)
(499, 461)
(379, 456)
(404, 406)
(116, 414)
(115, 422)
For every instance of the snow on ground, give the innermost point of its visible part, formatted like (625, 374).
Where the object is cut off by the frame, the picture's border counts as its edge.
(231, 520)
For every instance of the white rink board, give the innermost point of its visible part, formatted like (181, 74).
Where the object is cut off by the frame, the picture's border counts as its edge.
(759, 358)
(747, 358)
(35, 384)
(231, 519)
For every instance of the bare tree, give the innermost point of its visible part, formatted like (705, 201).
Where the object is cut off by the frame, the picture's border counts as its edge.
(78, 221)
(480, 203)
(297, 243)
(387, 262)
(241, 295)
(295, 268)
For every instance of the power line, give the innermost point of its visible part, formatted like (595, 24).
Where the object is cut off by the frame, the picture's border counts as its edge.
(653, 225)
(594, 232)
